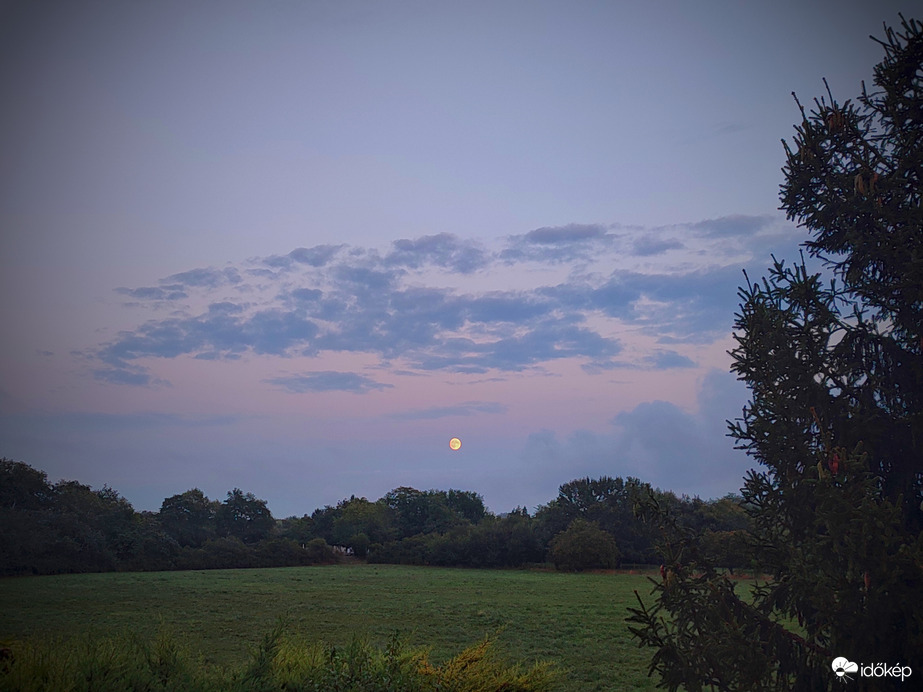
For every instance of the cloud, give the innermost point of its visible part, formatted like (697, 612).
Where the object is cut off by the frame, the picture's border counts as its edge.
(306, 295)
(557, 244)
(689, 450)
(548, 340)
(657, 442)
(442, 250)
(693, 307)
(368, 309)
(133, 376)
(317, 256)
(365, 281)
(645, 246)
(733, 225)
(327, 381)
(222, 330)
(505, 306)
(595, 367)
(557, 235)
(169, 292)
(666, 360)
(205, 277)
(440, 303)
(276, 267)
(467, 408)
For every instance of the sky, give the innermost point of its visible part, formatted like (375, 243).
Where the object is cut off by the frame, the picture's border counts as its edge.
(294, 247)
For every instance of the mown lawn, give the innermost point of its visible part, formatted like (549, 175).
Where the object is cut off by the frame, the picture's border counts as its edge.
(575, 620)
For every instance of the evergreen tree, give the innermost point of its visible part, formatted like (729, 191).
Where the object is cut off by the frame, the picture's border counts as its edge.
(835, 370)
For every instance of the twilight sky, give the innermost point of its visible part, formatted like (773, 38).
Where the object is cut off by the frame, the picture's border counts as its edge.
(295, 246)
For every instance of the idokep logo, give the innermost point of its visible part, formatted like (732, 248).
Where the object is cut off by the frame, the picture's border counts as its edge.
(843, 667)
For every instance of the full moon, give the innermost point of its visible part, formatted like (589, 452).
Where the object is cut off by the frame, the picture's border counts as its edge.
(455, 443)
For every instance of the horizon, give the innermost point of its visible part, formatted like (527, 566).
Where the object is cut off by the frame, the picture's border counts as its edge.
(530, 510)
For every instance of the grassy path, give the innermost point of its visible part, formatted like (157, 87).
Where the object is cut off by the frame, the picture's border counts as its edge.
(577, 620)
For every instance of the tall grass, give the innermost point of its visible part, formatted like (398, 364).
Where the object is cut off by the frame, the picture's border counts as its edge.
(280, 662)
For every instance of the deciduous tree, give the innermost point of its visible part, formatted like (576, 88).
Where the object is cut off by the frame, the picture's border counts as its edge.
(189, 518)
(244, 516)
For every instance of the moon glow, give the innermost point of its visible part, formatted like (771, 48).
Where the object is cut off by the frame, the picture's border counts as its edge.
(455, 444)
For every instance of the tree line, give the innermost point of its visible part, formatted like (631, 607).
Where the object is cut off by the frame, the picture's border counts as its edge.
(70, 527)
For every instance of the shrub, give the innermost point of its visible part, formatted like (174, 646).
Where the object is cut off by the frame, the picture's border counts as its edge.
(360, 544)
(583, 545)
(319, 552)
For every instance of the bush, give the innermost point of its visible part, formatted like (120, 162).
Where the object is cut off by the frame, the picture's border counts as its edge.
(584, 546)
(360, 544)
(319, 552)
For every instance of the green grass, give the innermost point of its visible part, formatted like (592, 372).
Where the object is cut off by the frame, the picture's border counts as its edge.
(575, 620)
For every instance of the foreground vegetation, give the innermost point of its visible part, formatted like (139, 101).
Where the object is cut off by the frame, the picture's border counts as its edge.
(279, 663)
(219, 617)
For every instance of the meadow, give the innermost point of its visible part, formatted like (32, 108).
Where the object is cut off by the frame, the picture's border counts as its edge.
(576, 621)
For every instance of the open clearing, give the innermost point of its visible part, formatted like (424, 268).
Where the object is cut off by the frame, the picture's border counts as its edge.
(575, 620)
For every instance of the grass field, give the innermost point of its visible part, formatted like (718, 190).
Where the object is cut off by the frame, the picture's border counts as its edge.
(575, 620)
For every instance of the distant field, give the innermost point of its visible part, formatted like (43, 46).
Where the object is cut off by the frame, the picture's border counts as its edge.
(576, 620)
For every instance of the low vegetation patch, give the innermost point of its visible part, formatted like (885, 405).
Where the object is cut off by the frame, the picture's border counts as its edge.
(280, 662)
